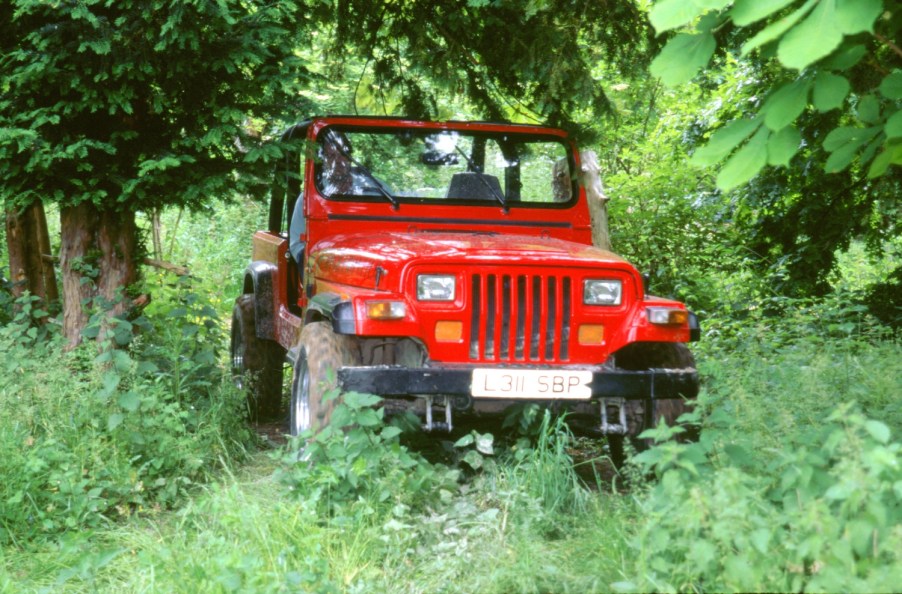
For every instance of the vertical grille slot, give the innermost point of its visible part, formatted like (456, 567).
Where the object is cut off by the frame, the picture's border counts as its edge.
(551, 318)
(520, 317)
(475, 316)
(565, 319)
(520, 340)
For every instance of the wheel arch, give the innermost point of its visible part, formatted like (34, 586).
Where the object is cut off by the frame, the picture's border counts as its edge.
(258, 280)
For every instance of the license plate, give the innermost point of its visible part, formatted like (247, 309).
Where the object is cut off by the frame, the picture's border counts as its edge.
(531, 383)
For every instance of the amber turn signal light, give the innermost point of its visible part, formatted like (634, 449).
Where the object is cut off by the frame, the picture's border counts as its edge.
(449, 331)
(667, 316)
(591, 334)
(386, 310)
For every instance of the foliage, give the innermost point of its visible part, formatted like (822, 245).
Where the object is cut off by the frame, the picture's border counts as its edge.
(358, 457)
(136, 105)
(419, 53)
(89, 438)
(806, 132)
(822, 514)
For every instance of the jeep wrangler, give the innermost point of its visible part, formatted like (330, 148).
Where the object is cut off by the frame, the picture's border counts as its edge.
(448, 267)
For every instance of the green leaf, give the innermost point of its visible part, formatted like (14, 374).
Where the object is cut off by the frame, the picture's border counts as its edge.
(775, 30)
(783, 145)
(869, 109)
(466, 440)
(670, 14)
(891, 86)
(130, 401)
(746, 12)
(474, 459)
(846, 57)
(877, 430)
(891, 155)
(722, 142)
(682, 57)
(114, 420)
(389, 433)
(746, 163)
(830, 91)
(121, 361)
(814, 38)
(893, 127)
(857, 16)
(786, 104)
(841, 158)
(484, 444)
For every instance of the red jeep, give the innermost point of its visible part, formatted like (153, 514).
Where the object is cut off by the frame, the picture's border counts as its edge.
(448, 267)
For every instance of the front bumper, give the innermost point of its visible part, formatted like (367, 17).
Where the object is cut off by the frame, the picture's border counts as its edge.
(393, 381)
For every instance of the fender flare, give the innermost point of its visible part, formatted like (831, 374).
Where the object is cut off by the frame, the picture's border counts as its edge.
(258, 280)
(331, 307)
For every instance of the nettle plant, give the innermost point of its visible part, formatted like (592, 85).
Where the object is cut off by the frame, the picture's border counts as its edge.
(824, 513)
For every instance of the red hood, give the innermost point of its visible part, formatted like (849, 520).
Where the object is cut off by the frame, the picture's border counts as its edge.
(353, 259)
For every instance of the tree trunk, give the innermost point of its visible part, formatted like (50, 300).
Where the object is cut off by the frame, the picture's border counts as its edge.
(598, 201)
(30, 262)
(98, 261)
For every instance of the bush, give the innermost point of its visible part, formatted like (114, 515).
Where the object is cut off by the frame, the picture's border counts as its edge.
(86, 438)
(820, 513)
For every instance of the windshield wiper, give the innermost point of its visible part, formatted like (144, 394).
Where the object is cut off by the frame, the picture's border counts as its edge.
(485, 182)
(380, 185)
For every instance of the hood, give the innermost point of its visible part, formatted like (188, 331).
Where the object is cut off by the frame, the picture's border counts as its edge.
(363, 259)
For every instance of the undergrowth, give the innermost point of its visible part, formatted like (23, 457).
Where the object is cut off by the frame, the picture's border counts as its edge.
(115, 427)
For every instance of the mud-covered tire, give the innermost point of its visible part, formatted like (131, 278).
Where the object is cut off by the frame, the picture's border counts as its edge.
(257, 363)
(321, 353)
(641, 357)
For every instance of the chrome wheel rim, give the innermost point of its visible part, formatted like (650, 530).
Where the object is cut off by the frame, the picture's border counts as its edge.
(300, 399)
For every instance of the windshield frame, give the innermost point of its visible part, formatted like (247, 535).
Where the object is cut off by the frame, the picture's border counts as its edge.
(467, 129)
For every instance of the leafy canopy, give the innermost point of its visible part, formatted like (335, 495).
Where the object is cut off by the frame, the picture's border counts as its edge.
(142, 103)
(832, 55)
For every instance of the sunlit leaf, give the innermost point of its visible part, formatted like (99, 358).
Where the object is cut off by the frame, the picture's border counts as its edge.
(670, 14)
(722, 142)
(857, 16)
(786, 104)
(778, 28)
(783, 145)
(746, 163)
(746, 12)
(877, 430)
(830, 91)
(812, 39)
(682, 57)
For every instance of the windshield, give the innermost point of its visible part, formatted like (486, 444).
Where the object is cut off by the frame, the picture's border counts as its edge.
(404, 165)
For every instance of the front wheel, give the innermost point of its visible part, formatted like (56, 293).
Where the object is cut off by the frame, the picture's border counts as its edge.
(644, 356)
(321, 353)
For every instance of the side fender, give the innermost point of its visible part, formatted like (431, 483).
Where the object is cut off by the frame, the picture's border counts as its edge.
(331, 307)
(258, 280)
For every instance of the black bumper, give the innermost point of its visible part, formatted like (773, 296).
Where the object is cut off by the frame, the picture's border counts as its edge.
(403, 381)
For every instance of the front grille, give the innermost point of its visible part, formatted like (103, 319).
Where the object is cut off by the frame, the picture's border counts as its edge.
(520, 317)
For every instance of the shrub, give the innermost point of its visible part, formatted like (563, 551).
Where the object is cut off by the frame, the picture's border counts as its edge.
(87, 438)
(823, 513)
